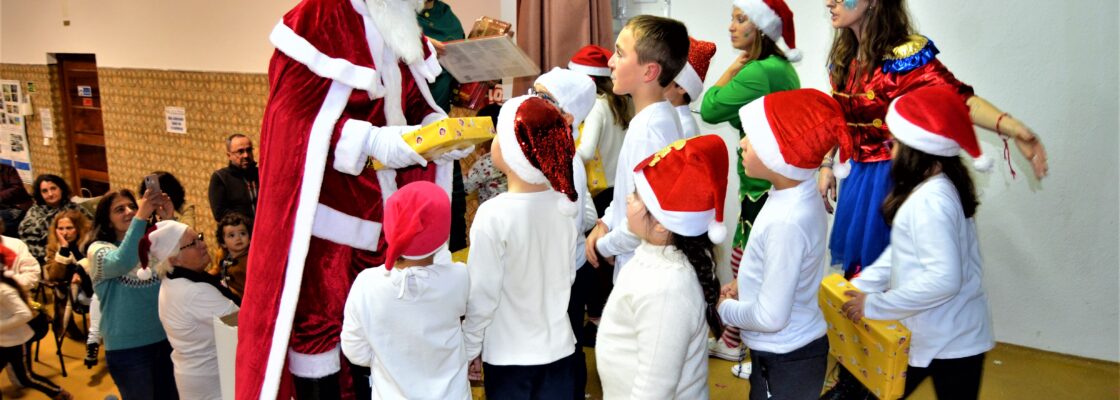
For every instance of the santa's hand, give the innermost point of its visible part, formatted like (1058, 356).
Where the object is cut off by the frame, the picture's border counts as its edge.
(454, 155)
(388, 147)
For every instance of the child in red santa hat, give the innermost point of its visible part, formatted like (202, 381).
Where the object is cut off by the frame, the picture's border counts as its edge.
(652, 340)
(401, 319)
(521, 259)
(787, 135)
(689, 84)
(929, 277)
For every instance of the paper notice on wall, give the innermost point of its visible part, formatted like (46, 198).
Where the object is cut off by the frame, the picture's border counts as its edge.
(176, 119)
(47, 120)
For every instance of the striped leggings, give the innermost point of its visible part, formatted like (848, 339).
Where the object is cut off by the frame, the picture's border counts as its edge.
(16, 358)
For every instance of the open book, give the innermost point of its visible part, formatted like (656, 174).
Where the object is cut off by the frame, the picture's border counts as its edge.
(486, 59)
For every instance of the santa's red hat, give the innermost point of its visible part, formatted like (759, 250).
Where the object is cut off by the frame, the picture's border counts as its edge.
(691, 77)
(684, 186)
(775, 20)
(591, 60)
(537, 145)
(934, 120)
(792, 131)
(417, 222)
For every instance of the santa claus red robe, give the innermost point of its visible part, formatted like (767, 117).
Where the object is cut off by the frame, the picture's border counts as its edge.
(318, 215)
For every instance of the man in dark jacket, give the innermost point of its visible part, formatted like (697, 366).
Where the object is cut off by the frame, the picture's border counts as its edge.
(234, 188)
(14, 200)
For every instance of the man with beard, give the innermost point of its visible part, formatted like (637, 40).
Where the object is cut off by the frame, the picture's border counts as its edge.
(348, 78)
(234, 188)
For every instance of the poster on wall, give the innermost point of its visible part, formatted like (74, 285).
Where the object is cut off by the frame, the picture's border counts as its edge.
(14, 149)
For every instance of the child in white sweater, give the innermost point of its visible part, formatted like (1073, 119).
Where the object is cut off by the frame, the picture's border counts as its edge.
(930, 275)
(402, 320)
(787, 135)
(652, 341)
(521, 259)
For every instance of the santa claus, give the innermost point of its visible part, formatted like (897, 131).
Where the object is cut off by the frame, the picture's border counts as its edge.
(348, 78)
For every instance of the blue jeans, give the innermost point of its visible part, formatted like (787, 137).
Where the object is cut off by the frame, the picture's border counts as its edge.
(144, 373)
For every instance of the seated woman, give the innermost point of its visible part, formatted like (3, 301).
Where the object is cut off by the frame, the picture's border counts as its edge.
(65, 269)
(52, 195)
(189, 299)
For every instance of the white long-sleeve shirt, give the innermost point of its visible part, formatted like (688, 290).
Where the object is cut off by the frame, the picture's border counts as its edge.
(26, 268)
(404, 325)
(653, 128)
(520, 265)
(187, 310)
(601, 133)
(781, 273)
(652, 341)
(689, 126)
(930, 277)
(14, 316)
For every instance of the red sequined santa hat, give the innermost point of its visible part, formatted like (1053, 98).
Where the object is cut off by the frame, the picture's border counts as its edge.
(591, 60)
(775, 20)
(934, 120)
(537, 145)
(684, 186)
(691, 77)
(417, 222)
(792, 131)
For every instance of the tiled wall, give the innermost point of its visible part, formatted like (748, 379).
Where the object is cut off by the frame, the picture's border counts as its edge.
(133, 101)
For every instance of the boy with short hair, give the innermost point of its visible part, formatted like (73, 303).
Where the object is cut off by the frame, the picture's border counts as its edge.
(649, 53)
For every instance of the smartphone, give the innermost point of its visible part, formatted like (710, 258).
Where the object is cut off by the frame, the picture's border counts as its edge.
(151, 183)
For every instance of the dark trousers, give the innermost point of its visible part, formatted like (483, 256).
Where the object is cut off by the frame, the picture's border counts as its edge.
(458, 239)
(143, 373)
(552, 381)
(15, 358)
(797, 375)
(956, 378)
(581, 290)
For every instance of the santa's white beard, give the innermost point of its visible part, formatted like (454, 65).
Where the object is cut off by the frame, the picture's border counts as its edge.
(396, 20)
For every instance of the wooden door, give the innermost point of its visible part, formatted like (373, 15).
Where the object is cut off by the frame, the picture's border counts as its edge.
(81, 103)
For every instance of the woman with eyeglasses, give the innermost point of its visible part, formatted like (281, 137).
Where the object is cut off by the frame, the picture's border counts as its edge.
(189, 299)
(136, 347)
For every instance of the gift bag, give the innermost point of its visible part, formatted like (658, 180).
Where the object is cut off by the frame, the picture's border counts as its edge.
(876, 352)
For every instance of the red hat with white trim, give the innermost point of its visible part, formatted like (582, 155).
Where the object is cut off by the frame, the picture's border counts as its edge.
(591, 60)
(775, 20)
(537, 145)
(934, 120)
(417, 222)
(792, 131)
(684, 186)
(691, 77)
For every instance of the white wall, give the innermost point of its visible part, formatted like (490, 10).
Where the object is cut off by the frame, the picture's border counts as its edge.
(1050, 248)
(198, 35)
(469, 11)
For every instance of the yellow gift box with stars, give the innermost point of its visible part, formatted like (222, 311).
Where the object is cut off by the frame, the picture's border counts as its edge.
(446, 135)
(876, 352)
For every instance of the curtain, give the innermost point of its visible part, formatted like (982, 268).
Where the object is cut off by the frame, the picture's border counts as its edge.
(551, 31)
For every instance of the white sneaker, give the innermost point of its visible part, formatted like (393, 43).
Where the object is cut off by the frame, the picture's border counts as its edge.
(718, 349)
(742, 370)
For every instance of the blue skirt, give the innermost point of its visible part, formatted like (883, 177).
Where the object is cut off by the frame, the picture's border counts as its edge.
(859, 232)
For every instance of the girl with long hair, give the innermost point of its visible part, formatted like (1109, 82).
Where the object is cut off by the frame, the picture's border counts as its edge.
(930, 276)
(652, 340)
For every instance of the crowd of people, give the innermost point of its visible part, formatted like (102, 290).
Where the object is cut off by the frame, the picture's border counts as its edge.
(554, 264)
